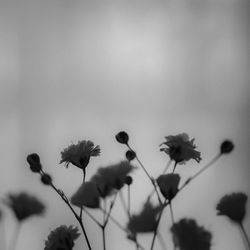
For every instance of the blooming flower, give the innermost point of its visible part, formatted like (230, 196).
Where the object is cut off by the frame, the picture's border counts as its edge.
(87, 195)
(180, 148)
(79, 154)
(233, 206)
(168, 185)
(187, 235)
(113, 177)
(24, 205)
(62, 237)
(145, 221)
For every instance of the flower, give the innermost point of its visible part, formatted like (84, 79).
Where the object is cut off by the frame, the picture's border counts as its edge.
(226, 147)
(180, 149)
(87, 195)
(79, 154)
(233, 206)
(113, 177)
(130, 155)
(34, 162)
(24, 205)
(168, 185)
(145, 221)
(187, 235)
(128, 180)
(62, 237)
(122, 137)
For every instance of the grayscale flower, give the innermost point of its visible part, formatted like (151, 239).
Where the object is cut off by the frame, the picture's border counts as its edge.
(233, 206)
(180, 148)
(62, 237)
(187, 235)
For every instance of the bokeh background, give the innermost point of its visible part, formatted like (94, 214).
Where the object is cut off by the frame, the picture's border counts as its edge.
(73, 70)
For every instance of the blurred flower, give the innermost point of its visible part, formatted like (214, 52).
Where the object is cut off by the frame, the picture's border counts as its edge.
(62, 238)
(113, 177)
(233, 206)
(87, 195)
(24, 205)
(145, 221)
(128, 180)
(34, 162)
(168, 185)
(187, 235)
(46, 179)
(226, 147)
(180, 149)
(130, 155)
(122, 137)
(79, 154)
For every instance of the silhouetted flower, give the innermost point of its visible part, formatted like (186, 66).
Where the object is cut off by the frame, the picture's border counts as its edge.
(233, 206)
(128, 180)
(87, 195)
(122, 137)
(180, 149)
(187, 235)
(168, 185)
(79, 154)
(62, 238)
(46, 179)
(145, 221)
(130, 155)
(113, 177)
(24, 205)
(226, 147)
(34, 162)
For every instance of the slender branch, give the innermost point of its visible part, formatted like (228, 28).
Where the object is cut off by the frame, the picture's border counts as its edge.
(245, 236)
(103, 238)
(83, 180)
(92, 217)
(175, 164)
(172, 218)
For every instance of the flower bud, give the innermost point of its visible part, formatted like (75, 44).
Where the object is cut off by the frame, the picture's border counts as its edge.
(130, 155)
(128, 180)
(226, 147)
(122, 137)
(46, 179)
(34, 162)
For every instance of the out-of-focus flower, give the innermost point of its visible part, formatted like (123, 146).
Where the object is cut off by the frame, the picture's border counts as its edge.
(46, 179)
(24, 205)
(79, 154)
(187, 235)
(226, 147)
(128, 180)
(180, 148)
(130, 155)
(233, 206)
(113, 177)
(62, 237)
(168, 185)
(122, 137)
(34, 162)
(145, 221)
(87, 195)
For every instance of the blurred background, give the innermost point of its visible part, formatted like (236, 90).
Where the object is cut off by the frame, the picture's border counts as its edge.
(73, 70)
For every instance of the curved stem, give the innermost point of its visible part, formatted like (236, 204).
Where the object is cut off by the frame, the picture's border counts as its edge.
(245, 235)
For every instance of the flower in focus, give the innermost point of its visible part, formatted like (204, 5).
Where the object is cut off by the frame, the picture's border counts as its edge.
(62, 237)
(24, 205)
(187, 235)
(113, 177)
(122, 137)
(87, 195)
(79, 154)
(145, 221)
(168, 185)
(226, 147)
(233, 206)
(130, 155)
(180, 148)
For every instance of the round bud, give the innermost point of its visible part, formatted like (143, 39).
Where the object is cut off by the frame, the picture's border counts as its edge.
(128, 180)
(130, 155)
(46, 179)
(122, 137)
(226, 147)
(34, 162)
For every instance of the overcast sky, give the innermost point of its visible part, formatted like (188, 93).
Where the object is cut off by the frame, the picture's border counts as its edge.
(73, 70)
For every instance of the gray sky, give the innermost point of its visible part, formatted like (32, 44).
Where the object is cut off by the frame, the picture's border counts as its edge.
(73, 70)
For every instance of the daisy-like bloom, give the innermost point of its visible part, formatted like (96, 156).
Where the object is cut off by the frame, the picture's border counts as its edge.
(79, 154)
(24, 205)
(187, 235)
(233, 206)
(113, 177)
(168, 184)
(180, 148)
(62, 237)
(87, 195)
(145, 221)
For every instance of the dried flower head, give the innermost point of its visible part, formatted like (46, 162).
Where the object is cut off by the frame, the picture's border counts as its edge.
(113, 177)
(187, 235)
(34, 162)
(226, 147)
(145, 221)
(87, 195)
(62, 237)
(79, 154)
(122, 137)
(233, 206)
(130, 155)
(180, 148)
(168, 185)
(24, 205)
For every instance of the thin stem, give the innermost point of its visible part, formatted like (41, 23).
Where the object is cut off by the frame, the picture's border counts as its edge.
(92, 217)
(103, 238)
(129, 202)
(110, 210)
(245, 235)
(15, 236)
(172, 217)
(175, 164)
(83, 180)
